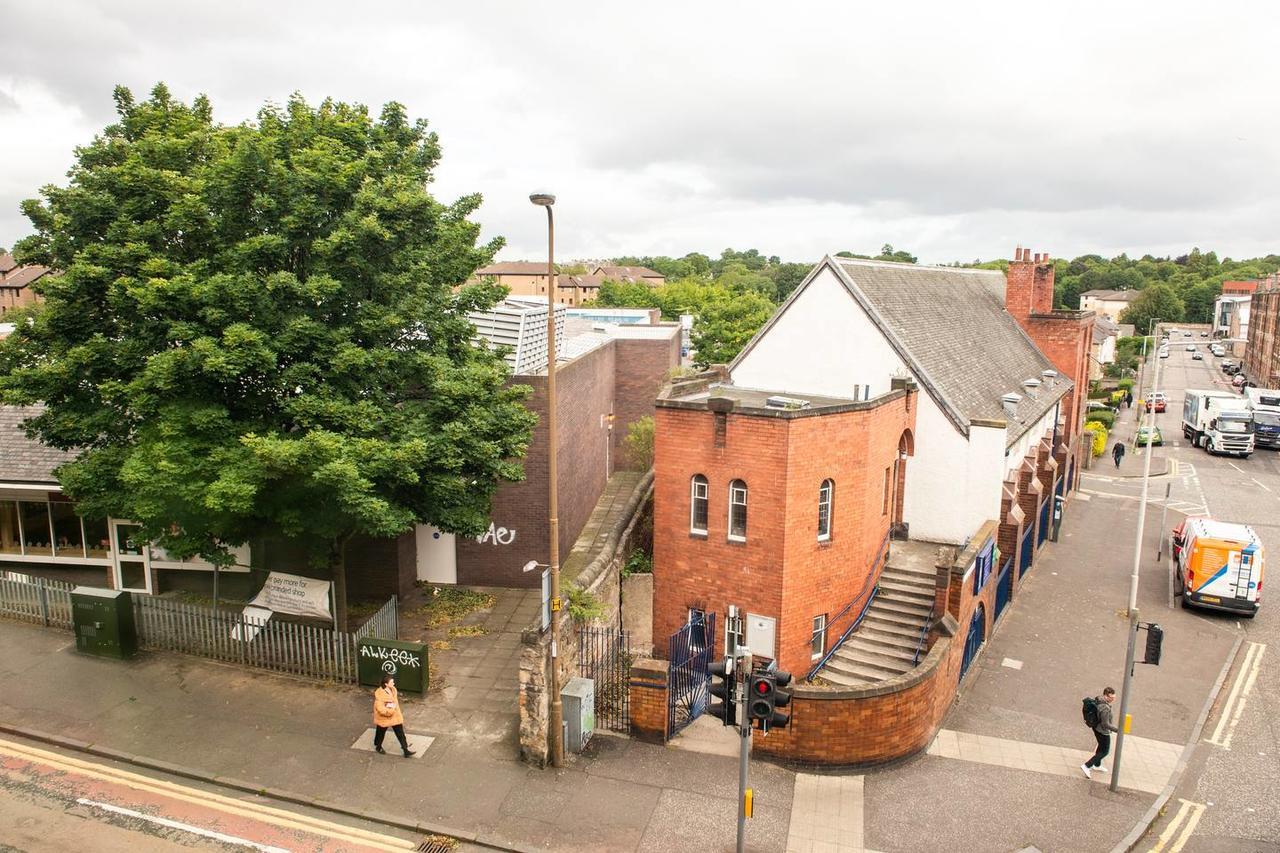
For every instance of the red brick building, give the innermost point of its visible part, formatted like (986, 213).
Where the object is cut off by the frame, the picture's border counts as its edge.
(15, 284)
(1262, 351)
(776, 505)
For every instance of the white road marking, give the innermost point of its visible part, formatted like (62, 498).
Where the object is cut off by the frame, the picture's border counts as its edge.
(1010, 662)
(185, 827)
(1260, 483)
(1237, 467)
(1189, 811)
(1240, 690)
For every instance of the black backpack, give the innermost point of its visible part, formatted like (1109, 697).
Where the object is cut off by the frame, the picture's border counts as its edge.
(1090, 711)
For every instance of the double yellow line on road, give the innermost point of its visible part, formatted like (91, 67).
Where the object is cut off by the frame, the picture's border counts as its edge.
(228, 805)
(1186, 819)
(1240, 690)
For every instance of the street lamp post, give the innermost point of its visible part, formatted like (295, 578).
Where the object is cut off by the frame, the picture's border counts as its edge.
(1133, 581)
(555, 740)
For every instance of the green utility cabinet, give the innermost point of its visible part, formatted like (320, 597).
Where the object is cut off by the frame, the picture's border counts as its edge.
(405, 661)
(103, 620)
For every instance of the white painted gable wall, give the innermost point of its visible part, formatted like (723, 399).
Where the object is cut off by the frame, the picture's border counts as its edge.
(825, 344)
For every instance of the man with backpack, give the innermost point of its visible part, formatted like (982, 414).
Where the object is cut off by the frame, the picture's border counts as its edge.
(1097, 716)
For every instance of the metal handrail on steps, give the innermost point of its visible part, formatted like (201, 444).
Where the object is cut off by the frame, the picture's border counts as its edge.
(869, 591)
(924, 635)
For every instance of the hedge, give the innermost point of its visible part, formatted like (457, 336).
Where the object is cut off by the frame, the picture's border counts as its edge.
(1099, 433)
(1103, 416)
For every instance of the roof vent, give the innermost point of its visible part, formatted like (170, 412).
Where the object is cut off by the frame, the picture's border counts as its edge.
(1049, 375)
(780, 402)
(1010, 402)
(1032, 386)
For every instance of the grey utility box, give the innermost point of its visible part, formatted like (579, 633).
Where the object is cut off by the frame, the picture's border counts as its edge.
(103, 621)
(579, 700)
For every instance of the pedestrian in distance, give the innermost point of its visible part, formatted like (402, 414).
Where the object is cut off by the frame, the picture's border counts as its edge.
(1097, 716)
(386, 715)
(1117, 452)
(1128, 399)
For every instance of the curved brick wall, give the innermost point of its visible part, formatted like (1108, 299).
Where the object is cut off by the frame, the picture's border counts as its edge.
(872, 725)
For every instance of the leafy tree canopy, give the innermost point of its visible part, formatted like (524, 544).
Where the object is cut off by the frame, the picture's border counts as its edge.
(1159, 301)
(255, 330)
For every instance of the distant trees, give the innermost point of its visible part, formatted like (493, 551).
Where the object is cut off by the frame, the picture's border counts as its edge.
(1158, 301)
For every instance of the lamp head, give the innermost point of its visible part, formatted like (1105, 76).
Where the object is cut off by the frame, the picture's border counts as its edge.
(542, 199)
(530, 566)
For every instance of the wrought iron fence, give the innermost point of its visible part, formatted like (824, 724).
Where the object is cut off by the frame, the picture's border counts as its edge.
(384, 624)
(604, 656)
(1004, 586)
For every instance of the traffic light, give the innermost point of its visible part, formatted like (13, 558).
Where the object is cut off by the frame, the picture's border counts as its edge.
(726, 709)
(1155, 639)
(781, 699)
(760, 699)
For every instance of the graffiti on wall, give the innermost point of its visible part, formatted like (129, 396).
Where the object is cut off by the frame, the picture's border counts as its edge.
(496, 536)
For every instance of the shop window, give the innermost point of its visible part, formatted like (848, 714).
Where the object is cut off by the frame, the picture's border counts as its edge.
(10, 540)
(68, 538)
(95, 536)
(36, 536)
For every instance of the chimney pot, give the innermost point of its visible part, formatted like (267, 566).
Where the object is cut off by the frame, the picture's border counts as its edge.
(1017, 254)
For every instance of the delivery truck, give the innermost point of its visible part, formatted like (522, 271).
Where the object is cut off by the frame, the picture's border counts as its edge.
(1264, 404)
(1218, 421)
(1219, 565)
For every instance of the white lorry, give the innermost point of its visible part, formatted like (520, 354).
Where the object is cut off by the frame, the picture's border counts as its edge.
(1218, 421)
(1264, 403)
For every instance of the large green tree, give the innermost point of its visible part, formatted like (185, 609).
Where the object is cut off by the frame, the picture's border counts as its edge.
(1159, 301)
(255, 331)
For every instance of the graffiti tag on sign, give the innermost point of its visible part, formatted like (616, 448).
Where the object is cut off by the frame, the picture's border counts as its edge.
(497, 536)
(394, 657)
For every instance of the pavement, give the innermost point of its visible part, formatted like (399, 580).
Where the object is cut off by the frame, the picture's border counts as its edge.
(998, 778)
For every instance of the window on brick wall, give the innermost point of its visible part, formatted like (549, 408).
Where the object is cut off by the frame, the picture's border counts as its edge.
(698, 504)
(738, 511)
(825, 493)
(888, 487)
(818, 642)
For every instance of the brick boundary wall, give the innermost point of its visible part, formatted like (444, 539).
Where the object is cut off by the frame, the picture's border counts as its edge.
(602, 577)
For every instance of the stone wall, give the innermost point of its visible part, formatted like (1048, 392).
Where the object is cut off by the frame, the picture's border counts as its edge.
(602, 577)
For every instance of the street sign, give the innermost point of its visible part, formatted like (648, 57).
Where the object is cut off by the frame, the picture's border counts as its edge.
(403, 660)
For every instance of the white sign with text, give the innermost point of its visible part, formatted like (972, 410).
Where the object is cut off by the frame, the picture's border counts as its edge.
(295, 594)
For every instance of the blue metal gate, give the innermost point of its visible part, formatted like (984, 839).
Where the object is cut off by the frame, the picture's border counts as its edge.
(1024, 561)
(689, 652)
(1004, 586)
(976, 637)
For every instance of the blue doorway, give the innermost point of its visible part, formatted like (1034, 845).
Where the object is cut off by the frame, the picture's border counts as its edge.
(974, 639)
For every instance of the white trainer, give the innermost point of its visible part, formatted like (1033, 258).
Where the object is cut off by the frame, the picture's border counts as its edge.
(1087, 773)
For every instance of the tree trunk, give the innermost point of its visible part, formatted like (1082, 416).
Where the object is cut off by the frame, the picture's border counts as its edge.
(338, 571)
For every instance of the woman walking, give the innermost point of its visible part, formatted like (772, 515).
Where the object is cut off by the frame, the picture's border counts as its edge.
(386, 715)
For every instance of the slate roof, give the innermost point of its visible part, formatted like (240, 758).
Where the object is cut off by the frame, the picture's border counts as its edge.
(1103, 329)
(626, 273)
(12, 275)
(1113, 295)
(21, 459)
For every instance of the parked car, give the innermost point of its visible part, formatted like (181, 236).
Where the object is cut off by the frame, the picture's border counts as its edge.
(1191, 347)
(1186, 334)
(1238, 381)
(1218, 565)
(1154, 432)
(1159, 400)
(1228, 366)
(1204, 334)
(1196, 356)
(1164, 353)
(1097, 406)
(1218, 350)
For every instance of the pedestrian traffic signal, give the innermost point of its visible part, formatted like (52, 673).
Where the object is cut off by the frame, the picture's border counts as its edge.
(1155, 639)
(760, 700)
(726, 709)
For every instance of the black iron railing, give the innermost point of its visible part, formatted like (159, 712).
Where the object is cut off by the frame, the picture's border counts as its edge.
(862, 602)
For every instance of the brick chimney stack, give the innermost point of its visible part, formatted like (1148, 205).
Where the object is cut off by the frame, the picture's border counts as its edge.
(1028, 285)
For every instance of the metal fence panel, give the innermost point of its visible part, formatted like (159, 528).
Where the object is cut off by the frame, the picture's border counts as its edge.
(1004, 586)
(689, 652)
(604, 656)
(1025, 549)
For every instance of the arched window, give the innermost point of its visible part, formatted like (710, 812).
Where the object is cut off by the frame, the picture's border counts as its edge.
(825, 493)
(698, 504)
(738, 511)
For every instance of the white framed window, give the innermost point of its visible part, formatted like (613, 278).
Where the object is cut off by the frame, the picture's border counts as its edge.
(698, 504)
(818, 642)
(738, 511)
(825, 492)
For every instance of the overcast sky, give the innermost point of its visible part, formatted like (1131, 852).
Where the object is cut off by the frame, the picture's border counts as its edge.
(954, 130)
